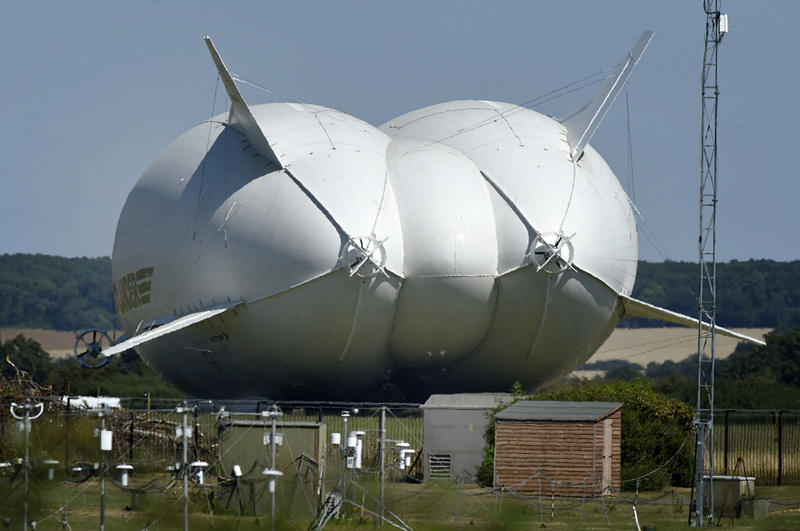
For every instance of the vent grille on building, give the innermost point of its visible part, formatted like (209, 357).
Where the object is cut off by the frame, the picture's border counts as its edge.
(439, 466)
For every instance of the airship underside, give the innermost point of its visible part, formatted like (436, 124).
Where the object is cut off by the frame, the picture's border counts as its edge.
(293, 251)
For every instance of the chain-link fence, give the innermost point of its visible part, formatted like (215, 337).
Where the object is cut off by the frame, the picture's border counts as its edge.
(228, 447)
(229, 468)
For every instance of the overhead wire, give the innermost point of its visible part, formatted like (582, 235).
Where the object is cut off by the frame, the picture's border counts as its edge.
(530, 104)
(646, 229)
(274, 92)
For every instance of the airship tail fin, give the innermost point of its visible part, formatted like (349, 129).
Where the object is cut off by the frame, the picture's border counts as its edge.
(240, 117)
(582, 124)
(637, 308)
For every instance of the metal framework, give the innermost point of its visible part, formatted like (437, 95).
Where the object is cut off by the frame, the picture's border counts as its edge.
(703, 501)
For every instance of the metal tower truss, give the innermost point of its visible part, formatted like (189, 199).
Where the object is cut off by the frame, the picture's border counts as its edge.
(703, 501)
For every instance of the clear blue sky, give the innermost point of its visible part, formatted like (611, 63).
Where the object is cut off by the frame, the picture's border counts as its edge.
(93, 90)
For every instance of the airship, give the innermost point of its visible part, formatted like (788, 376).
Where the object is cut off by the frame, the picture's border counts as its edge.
(293, 251)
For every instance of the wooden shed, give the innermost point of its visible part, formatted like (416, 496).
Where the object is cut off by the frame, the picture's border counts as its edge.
(572, 447)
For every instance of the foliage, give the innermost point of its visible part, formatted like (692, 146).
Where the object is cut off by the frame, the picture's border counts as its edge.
(656, 430)
(26, 355)
(770, 374)
(753, 293)
(615, 369)
(126, 375)
(40, 291)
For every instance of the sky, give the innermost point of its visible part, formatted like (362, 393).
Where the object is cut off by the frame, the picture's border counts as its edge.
(94, 90)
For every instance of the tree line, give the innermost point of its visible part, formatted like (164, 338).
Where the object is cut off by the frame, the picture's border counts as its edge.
(750, 294)
(56, 293)
(53, 292)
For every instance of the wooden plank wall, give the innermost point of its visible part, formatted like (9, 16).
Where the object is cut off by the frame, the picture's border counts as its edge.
(569, 453)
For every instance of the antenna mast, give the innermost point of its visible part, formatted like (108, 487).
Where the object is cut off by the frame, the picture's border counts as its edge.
(703, 501)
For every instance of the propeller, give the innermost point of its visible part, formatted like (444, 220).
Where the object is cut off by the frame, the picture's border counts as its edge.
(89, 345)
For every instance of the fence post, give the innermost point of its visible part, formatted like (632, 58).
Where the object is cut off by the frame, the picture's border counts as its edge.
(196, 432)
(780, 446)
(727, 414)
(66, 439)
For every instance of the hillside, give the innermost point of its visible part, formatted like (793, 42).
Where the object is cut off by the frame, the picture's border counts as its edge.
(751, 294)
(52, 292)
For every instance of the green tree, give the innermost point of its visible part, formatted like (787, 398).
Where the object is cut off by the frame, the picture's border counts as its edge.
(40, 291)
(126, 375)
(26, 355)
(769, 374)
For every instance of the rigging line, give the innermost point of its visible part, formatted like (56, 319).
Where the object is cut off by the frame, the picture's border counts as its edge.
(200, 191)
(316, 116)
(253, 84)
(562, 94)
(205, 157)
(214, 101)
(631, 184)
(381, 204)
(526, 105)
(571, 194)
(568, 85)
(655, 242)
(647, 230)
(512, 111)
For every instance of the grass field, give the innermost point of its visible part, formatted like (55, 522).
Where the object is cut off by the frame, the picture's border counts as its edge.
(429, 506)
(154, 498)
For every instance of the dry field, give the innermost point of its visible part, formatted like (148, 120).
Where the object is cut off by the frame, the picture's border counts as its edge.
(643, 345)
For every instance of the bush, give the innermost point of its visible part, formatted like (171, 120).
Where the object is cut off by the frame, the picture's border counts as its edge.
(26, 355)
(656, 431)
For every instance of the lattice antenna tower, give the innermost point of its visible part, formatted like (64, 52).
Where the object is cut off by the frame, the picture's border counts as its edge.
(703, 502)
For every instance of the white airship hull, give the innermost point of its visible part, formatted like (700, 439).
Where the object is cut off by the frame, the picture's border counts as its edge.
(294, 251)
(454, 290)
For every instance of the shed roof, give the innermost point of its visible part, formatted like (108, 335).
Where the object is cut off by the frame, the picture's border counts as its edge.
(547, 410)
(465, 401)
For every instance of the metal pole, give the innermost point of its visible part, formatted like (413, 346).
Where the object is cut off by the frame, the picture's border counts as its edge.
(27, 427)
(382, 450)
(66, 456)
(272, 464)
(28, 406)
(102, 476)
(345, 414)
(183, 468)
(196, 433)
